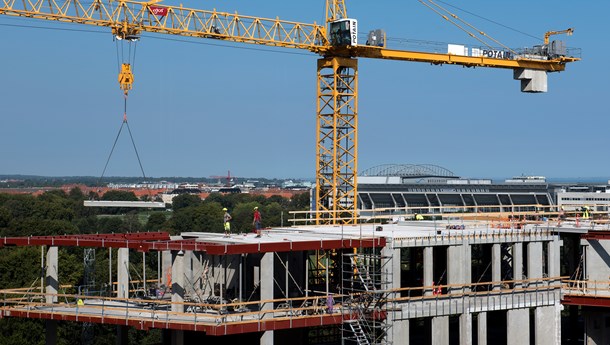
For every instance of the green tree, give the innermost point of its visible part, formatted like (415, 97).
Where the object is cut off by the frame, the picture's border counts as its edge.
(156, 221)
(185, 200)
(272, 214)
(300, 202)
(242, 217)
(119, 195)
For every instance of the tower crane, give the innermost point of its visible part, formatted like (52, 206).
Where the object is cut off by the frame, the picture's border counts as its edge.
(337, 44)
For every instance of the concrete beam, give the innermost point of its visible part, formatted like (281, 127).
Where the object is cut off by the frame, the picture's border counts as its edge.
(517, 326)
(52, 276)
(137, 204)
(122, 273)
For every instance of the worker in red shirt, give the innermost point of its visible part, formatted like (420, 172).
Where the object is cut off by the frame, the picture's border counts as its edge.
(256, 222)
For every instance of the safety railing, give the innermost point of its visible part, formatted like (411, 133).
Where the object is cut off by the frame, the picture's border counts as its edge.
(501, 216)
(225, 312)
(586, 288)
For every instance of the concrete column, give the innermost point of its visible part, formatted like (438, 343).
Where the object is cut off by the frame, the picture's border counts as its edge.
(207, 276)
(198, 272)
(496, 265)
(166, 268)
(440, 330)
(467, 265)
(122, 270)
(534, 260)
(553, 259)
(399, 329)
(230, 271)
(177, 282)
(517, 326)
(50, 331)
(52, 276)
(518, 263)
(482, 328)
(267, 263)
(548, 325)
(189, 281)
(455, 268)
(392, 268)
(466, 329)
(428, 269)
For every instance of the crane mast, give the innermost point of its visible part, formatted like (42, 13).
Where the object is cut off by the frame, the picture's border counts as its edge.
(336, 197)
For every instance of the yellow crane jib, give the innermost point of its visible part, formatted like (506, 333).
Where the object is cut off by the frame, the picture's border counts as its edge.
(126, 78)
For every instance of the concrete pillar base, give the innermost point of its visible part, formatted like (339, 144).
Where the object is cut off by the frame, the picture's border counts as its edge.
(548, 325)
(466, 329)
(518, 326)
(267, 338)
(482, 328)
(440, 330)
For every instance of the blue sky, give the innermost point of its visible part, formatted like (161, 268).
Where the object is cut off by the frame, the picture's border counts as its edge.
(198, 109)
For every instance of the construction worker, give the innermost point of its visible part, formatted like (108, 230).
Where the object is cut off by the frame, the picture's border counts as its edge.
(227, 222)
(585, 213)
(257, 222)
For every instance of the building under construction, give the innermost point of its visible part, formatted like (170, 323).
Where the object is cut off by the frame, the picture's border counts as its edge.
(467, 278)
(448, 275)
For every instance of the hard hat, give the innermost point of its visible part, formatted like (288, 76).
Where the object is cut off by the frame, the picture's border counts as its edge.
(256, 208)
(224, 209)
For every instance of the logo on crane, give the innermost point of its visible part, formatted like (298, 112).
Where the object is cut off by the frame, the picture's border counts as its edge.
(354, 32)
(158, 11)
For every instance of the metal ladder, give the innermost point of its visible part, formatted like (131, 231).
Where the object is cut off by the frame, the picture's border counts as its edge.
(360, 336)
(364, 275)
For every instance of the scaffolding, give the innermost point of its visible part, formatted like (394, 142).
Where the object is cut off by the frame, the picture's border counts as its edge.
(367, 278)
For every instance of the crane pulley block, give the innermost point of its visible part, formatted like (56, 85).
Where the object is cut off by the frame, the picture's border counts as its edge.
(125, 31)
(126, 77)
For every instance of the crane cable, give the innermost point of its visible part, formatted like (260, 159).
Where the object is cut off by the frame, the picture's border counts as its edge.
(466, 23)
(120, 53)
(123, 123)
